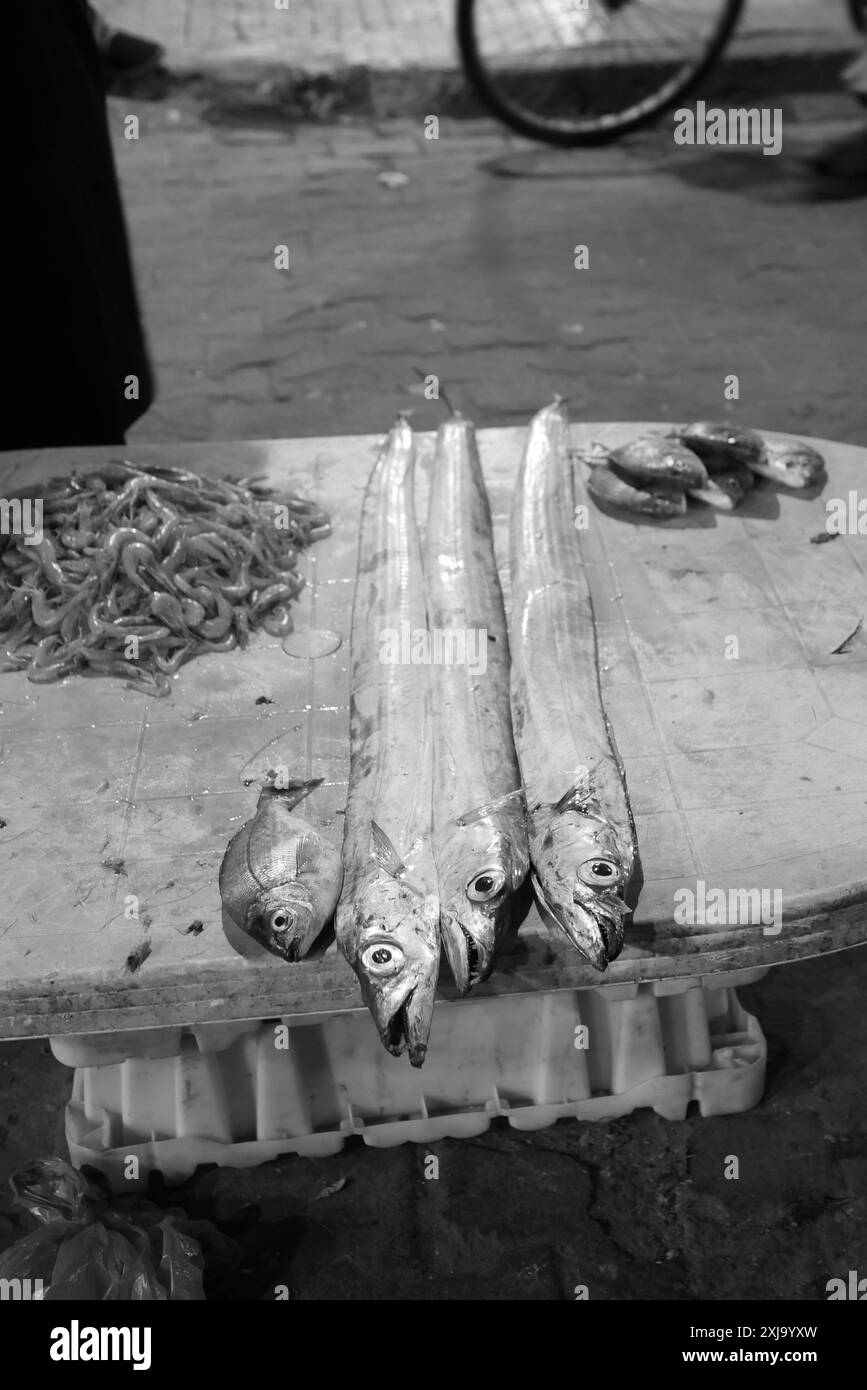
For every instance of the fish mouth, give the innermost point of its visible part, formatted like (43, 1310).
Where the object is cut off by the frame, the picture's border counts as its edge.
(473, 972)
(400, 1034)
(594, 927)
(290, 950)
(605, 919)
(289, 947)
(469, 965)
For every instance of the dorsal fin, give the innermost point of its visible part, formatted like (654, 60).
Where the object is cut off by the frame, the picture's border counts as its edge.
(489, 807)
(293, 792)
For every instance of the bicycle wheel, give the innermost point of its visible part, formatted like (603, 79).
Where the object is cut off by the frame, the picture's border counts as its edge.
(584, 72)
(858, 14)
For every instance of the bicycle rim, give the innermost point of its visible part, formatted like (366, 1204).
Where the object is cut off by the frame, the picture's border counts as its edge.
(566, 76)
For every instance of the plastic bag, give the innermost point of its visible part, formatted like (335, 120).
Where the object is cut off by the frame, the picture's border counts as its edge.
(86, 1249)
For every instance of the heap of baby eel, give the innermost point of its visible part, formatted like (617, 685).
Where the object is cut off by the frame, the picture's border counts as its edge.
(137, 569)
(714, 464)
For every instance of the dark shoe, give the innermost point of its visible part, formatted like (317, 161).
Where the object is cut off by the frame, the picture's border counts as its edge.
(845, 160)
(126, 55)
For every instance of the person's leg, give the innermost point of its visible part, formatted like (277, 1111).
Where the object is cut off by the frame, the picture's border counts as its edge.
(76, 351)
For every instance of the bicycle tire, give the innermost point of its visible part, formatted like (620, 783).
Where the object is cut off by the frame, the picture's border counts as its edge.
(858, 14)
(560, 133)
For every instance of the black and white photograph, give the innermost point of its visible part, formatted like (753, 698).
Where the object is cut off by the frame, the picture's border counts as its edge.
(433, 670)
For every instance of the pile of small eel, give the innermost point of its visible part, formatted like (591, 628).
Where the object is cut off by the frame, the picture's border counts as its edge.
(136, 570)
(464, 776)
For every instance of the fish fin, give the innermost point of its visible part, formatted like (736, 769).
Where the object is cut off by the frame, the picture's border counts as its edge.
(385, 853)
(306, 857)
(578, 795)
(293, 792)
(488, 807)
(253, 912)
(539, 891)
(387, 857)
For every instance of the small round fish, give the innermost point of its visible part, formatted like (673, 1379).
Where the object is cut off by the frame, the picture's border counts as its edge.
(792, 464)
(280, 879)
(654, 458)
(606, 484)
(725, 490)
(719, 445)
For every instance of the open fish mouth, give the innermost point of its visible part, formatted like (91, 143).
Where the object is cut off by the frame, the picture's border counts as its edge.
(398, 1034)
(474, 975)
(607, 914)
(289, 950)
(469, 965)
(594, 928)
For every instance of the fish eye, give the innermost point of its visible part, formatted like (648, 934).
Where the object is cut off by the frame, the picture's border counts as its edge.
(485, 885)
(600, 873)
(382, 960)
(281, 920)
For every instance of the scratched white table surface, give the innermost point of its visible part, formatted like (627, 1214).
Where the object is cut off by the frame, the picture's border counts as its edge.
(743, 773)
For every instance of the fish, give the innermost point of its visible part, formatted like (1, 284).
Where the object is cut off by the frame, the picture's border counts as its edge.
(792, 464)
(582, 837)
(606, 484)
(479, 828)
(720, 445)
(387, 920)
(657, 458)
(280, 878)
(725, 490)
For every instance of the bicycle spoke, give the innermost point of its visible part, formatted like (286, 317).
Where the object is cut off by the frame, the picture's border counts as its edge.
(583, 76)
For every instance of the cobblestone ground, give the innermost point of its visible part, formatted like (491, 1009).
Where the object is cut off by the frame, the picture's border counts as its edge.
(702, 263)
(324, 34)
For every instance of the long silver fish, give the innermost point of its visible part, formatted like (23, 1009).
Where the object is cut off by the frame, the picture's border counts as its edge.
(387, 920)
(582, 839)
(480, 834)
(280, 879)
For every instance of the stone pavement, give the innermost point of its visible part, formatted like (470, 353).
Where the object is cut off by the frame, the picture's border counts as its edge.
(320, 35)
(703, 262)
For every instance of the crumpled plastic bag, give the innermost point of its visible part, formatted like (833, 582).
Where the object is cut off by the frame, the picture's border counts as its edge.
(86, 1249)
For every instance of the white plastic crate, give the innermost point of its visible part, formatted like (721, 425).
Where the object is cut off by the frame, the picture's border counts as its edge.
(227, 1094)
